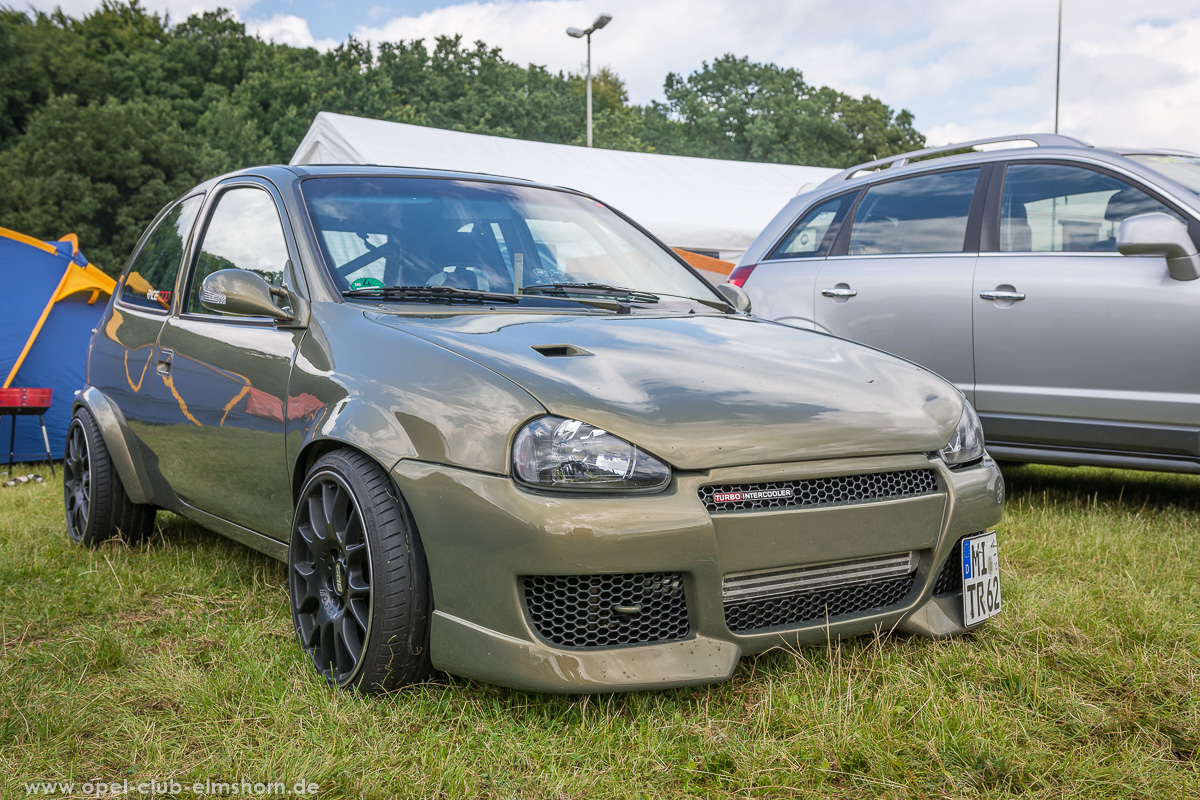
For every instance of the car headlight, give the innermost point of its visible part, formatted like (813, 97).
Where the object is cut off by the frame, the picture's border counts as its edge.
(557, 453)
(966, 445)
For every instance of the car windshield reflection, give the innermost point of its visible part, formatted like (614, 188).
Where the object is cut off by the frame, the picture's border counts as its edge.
(377, 232)
(1179, 168)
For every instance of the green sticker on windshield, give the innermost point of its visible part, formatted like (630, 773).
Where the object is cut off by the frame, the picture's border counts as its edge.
(366, 283)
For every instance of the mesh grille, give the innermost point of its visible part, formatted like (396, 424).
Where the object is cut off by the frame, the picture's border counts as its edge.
(812, 606)
(949, 580)
(836, 490)
(607, 610)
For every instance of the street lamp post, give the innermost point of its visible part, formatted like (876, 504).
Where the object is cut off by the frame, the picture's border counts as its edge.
(1058, 67)
(600, 22)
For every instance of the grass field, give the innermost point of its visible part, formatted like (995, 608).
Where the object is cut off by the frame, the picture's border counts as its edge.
(175, 660)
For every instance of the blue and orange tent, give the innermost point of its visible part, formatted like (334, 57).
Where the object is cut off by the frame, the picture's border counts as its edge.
(50, 301)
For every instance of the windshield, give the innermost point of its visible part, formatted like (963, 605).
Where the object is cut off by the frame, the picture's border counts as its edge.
(1181, 169)
(377, 232)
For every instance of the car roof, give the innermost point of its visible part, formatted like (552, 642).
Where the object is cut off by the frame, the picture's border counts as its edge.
(1018, 147)
(1022, 145)
(283, 173)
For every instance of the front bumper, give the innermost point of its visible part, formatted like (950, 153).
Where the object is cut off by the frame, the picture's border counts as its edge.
(482, 534)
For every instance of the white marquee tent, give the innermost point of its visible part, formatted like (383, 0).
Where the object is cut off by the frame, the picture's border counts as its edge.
(708, 205)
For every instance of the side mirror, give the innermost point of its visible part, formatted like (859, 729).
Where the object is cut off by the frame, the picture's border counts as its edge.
(1159, 234)
(736, 296)
(237, 291)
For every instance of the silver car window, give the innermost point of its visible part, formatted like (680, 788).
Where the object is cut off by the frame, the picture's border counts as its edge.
(924, 214)
(1052, 208)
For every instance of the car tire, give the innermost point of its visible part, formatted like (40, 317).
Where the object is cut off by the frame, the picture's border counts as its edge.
(359, 586)
(97, 507)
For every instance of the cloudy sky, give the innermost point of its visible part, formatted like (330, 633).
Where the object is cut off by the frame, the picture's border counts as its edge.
(965, 68)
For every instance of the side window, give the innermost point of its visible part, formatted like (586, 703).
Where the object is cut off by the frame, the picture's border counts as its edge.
(813, 235)
(243, 232)
(1053, 208)
(925, 214)
(151, 277)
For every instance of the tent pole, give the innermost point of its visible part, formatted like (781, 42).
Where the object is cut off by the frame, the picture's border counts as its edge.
(12, 373)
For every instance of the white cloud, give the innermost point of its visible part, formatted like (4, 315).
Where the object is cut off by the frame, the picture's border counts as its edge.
(288, 29)
(1140, 90)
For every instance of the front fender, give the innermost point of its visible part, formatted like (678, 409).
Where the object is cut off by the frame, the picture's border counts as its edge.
(395, 396)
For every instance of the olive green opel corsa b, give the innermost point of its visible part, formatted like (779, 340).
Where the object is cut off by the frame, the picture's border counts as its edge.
(497, 429)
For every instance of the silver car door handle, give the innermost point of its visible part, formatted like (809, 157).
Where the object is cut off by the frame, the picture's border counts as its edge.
(1000, 294)
(165, 359)
(847, 292)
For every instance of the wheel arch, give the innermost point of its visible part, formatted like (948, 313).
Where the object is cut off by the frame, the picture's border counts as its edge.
(312, 452)
(119, 440)
(352, 424)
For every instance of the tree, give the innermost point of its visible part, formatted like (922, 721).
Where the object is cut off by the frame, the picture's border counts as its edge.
(734, 108)
(102, 171)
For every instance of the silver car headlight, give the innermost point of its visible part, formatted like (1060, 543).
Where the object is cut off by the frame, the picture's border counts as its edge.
(966, 445)
(557, 453)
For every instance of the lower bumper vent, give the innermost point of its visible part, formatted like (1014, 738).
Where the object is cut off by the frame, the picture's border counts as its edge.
(607, 610)
(796, 596)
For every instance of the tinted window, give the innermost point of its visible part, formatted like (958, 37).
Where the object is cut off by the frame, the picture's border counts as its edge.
(244, 232)
(151, 276)
(1049, 208)
(814, 233)
(480, 235)
(925, 214)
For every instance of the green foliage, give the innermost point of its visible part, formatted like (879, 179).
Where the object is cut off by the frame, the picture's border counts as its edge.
(101, 170)
(106, 118)
(737, 109)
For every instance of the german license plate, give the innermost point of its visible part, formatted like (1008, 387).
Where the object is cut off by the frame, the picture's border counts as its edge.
(981, 578)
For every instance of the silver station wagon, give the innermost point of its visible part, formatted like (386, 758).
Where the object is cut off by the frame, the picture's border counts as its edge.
(1054, 283)
(496, 429)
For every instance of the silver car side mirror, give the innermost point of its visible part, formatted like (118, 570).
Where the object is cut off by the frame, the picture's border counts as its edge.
(1159, 234)
(237, 291)
(735, 295)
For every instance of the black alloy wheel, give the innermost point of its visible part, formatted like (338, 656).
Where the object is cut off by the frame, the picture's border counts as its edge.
(97, 507)
(77, 480)
(359, 588)
(331, 577)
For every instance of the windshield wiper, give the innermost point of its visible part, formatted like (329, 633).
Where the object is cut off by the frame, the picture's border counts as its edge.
(432, 294)
(590, 290)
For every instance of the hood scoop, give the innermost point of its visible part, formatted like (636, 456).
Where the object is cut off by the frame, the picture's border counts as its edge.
(560, 350)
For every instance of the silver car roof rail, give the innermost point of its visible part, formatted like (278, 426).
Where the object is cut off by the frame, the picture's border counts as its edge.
(1016, 140)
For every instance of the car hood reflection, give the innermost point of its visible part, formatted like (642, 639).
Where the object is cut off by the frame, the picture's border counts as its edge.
(707, 391)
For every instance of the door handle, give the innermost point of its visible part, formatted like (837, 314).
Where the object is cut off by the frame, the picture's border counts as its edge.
(1001, 294)
(840, 291)
(165, 359)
